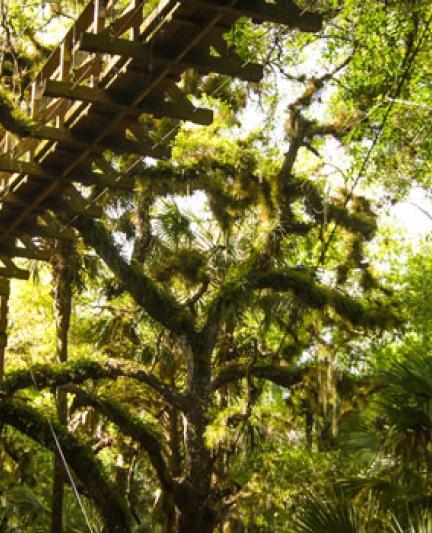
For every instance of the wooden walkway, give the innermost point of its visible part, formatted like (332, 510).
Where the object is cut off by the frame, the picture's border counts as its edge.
(113, 67)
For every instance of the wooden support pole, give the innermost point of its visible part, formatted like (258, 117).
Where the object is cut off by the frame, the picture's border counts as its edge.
(99, 17)
(36, 97)
(4, 300)
(65, 74)
(137, 10)
(203, 63)
(105, 102)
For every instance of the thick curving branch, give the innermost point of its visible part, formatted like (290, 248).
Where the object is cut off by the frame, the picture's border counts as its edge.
(317, 296)
(78, 372)
(161, 306)
(309, 293)
(284, 377)
(131, 425)
(78, 456)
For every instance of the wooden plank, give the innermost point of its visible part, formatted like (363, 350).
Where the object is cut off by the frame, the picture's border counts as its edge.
(116, 145)
(8, 250)
(286, 12)
(203, 63)
(46, 232)
(64, 136)
(36, 170)
(14, 273)
(150, 106)
(4, 288)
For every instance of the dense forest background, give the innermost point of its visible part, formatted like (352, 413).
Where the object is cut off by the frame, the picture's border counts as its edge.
(247, 334)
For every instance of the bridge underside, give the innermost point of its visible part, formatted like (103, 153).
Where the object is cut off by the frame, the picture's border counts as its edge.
(89, 100)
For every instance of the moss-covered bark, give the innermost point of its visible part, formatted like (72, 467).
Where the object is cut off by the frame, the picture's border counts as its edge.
(158, 304)
(80, 371)
(78, 456)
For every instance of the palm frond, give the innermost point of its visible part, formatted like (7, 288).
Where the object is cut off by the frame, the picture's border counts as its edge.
(323, 516)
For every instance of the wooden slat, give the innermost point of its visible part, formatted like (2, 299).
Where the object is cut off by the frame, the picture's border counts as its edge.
(282, 12)
(150, 106)
(7, 250)
(86, 178)
(13, 272)
(115, 145)
(205, 64)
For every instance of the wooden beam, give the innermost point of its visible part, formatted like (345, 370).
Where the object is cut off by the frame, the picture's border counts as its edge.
(204, 63)
(14, 273)
(150, 106)
(47, 232)
(72, 206)
(36, 170)
(8, 250)
(115, 145)
(282, 12)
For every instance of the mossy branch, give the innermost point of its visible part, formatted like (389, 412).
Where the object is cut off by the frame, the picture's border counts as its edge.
(317, 296)
(78, 372)
(78, 456)
(13, 120)
(131, 425)
(161, 306)
(284, 377)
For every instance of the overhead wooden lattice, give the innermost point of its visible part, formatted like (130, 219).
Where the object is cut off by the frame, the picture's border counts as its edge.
(111, 68)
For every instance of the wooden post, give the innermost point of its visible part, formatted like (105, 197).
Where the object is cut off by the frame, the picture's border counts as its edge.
(65, 73)
(36, 97)
(35, 107)
(98, 26)
(4, 300)
(138, 13)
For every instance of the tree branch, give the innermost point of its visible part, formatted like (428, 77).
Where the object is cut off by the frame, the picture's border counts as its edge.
(79, 456)
(78, 372)
(132, 426)
(282, 376)
(318, 296)
(158, 304)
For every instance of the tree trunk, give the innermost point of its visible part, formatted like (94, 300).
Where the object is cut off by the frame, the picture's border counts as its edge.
(196, 514)
(63, 279)
(4, 299)
(198, 519)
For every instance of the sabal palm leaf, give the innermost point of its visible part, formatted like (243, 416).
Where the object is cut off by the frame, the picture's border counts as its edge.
(323, 516)
(417, 523)
(29, 507)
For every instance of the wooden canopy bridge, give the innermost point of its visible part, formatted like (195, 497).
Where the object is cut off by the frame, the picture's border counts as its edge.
(113, 66)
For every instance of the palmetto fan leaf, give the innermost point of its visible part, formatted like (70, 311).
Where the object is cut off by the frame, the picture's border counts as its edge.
(417, 523)
(173, 226)
(28, 505)
(323, 516)
(406, 404)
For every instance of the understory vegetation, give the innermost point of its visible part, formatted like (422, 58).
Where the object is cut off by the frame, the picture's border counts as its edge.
(241, 343)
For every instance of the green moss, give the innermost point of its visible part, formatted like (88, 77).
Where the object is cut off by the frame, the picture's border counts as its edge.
(318, 297)
(12, 119)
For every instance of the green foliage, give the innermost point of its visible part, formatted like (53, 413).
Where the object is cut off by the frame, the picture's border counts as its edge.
(317, 515)
(251, 251)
